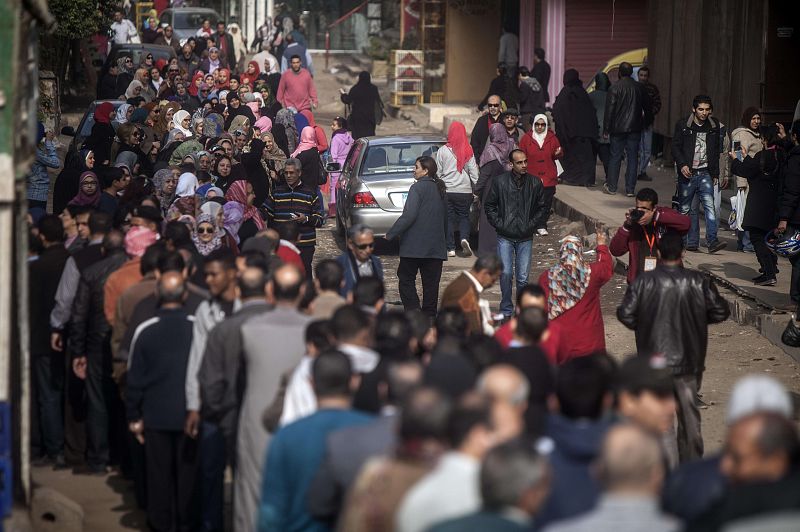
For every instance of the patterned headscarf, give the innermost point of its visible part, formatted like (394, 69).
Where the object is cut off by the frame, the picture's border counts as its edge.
(213, 126)
(158, 184)
(207, 247)
(238, 193)
(138, 239)
(569, 279)
(499, 148)
(286, 119)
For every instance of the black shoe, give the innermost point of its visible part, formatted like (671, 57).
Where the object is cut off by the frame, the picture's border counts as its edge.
(693, 249)
(766, 281)
(644, 177)
(608, 191)
(757, 277)
(716, 246)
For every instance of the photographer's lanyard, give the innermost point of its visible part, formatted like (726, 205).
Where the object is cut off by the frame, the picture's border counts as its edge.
(650, 261)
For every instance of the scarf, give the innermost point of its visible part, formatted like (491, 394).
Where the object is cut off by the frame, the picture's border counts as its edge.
(569, 279)
(308, 140)
(275, 155)
(213, 125)
(232, 218)
(102, 113)
(187, 185)
(539, 137)
(128, 159)
(205, 248)
(82, 199)
(138, 239)
(163, 126)
(193, 85)
(238, 193)
(264, 124)
(122, 111)
(285, 118)
(500, 146)
(159, 178)
(458, 142)
(177, 123)
(131, 87)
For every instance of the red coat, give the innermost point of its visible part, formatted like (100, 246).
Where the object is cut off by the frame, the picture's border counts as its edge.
(582, 325)
(542, 161)
(629, 239)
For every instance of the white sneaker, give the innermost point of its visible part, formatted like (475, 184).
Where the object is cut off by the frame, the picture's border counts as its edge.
(466, 247)
(451, 253)
(542, 232)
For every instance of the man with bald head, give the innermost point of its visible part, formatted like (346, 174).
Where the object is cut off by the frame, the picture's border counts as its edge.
(480, 132)
(630, 468)
(156, 406)
(272, 345)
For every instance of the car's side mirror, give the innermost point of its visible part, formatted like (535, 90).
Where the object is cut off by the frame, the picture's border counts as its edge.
(333, 167)
(69, 131)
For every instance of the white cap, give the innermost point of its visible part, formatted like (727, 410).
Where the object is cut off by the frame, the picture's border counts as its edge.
(758, 393)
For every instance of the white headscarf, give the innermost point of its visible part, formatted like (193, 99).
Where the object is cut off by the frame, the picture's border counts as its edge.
(187, 185)
(122, 113)
(539, 137)
(177, 122)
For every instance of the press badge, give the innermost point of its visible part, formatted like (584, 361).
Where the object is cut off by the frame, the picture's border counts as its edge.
(650, 263)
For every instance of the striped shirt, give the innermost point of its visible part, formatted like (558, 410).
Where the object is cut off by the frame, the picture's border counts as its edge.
(284, 202)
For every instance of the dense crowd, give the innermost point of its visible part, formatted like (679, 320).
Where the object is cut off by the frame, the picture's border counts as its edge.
(182, 329)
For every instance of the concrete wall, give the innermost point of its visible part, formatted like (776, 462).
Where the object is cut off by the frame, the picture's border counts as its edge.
(471, 54)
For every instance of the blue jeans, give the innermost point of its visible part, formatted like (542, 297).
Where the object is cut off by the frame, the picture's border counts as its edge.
(645, 149)
(514, 256)
(458, 205)
(701, 185)
(629, 143)
(212, 476)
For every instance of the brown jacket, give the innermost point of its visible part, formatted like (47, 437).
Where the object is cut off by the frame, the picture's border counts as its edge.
(462, 293)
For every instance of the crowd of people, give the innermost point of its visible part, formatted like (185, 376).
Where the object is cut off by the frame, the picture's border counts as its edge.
(182, 329)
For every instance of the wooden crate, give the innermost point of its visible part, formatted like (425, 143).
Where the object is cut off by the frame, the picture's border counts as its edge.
(406, 99)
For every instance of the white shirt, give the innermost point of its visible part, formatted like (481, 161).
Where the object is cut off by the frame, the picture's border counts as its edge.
(486, 310)
(123, 31)
(451, 490)
(363, 359)
(300, 400)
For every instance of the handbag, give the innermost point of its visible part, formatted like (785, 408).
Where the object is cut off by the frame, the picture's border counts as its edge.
(323, 174)
(791, 334)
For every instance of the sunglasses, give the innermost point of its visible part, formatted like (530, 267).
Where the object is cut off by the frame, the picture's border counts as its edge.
(239, 133)
(539, 125)
(493, 105)
(205, 230)
(129, 60)
(173, 70)
(368, 245)
(149, 57)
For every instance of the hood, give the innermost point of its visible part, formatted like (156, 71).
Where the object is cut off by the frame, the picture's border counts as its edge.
(578, 439)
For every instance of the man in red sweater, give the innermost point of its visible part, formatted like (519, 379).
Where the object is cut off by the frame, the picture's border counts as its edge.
(642, 230)
(296, 88)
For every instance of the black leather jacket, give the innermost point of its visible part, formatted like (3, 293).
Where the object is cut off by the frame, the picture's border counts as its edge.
(627, 108)
(670, 309)
(515, 210)
(89, 329)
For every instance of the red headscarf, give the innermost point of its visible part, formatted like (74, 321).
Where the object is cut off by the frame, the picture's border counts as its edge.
(458, 142)
(255, 74)
(102, 113)
(238, 192)
(192, 87)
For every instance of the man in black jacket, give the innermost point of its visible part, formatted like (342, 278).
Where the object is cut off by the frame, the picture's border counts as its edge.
(670, 309)
(480, 132)
(789, 206)
(515, 208)
(695, 148)
(48, 367)
(627, 112)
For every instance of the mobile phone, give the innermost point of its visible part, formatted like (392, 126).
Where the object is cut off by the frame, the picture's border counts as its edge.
(737, 149)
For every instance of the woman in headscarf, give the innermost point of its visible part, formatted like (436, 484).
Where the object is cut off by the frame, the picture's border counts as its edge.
(263, 125)
(222, 170)
(308, 155)
(130, 141)
(202, 161)
(207, 235)
(322, 140)
(232, 218)
(542, 148)
(270, 106)
(576, 128)
(164, 184)
(273, 158)
(185, 202)
(285, 131)
(494, 161)
(240, 123)
(135, 89)
(749, 136)
(126, 72)
(598, 99)
(68, 181)
(366, 107)
(194, 86)
(213, 125)
(572, 288)
(171, 143)
(182, 120)
(236, 108)
(250, 77)
(459, 171)
(124, 113)
(242, 192)
(89, 191)
(163, 125)
(341, 142)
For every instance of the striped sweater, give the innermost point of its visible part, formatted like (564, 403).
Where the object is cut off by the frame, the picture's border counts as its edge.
(283, 202)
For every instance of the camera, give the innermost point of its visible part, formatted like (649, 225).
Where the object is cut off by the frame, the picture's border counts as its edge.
(636, 215)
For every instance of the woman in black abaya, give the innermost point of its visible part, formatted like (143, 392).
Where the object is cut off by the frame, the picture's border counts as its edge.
(576, 129)
(366, 107)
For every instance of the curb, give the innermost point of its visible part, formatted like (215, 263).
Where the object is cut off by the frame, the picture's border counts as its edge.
(745, 308)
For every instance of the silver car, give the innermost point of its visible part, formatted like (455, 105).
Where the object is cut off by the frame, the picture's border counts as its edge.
(185, 21)
(373, 186)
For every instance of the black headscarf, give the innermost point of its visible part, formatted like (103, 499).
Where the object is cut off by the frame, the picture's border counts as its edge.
(601, 82)
(573, 111)
(242, 110)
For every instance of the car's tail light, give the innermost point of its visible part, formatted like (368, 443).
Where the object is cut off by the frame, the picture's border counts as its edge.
(364, 199)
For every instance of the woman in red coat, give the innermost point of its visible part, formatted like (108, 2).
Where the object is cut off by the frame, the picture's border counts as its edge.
(542, 148)
(573, 288)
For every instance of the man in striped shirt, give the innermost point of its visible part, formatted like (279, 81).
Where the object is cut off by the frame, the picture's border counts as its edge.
(291, 200)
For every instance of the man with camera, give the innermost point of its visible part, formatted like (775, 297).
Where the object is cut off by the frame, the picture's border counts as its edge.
(644, 226)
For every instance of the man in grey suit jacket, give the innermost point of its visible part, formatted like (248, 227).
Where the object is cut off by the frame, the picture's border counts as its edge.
(349, 449)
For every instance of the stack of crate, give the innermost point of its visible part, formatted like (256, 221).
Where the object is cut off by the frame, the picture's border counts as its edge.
(409, 72)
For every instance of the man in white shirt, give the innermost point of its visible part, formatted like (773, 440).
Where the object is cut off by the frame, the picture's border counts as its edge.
(122, 30)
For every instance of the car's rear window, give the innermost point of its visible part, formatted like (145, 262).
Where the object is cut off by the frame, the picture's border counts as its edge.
(192, 21)
(393, 158)
(86, 129)
(138, 53)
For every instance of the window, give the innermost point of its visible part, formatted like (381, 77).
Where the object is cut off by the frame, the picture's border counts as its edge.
(395, 158)
(193, 21)
(86, 129)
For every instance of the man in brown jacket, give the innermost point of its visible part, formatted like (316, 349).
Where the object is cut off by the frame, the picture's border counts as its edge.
(465, 293)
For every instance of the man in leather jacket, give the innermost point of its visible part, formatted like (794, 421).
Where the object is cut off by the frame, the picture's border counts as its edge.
(670, 309)
(627, 111)
(515, 208)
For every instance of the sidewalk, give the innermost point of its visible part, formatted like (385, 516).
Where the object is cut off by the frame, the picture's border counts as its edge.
(764, 307)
